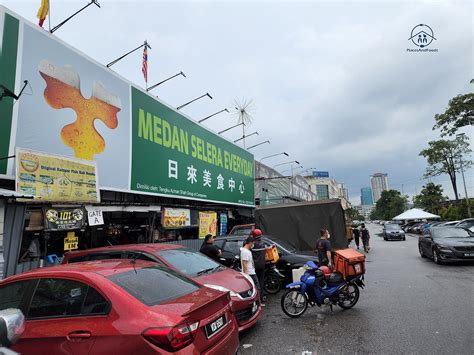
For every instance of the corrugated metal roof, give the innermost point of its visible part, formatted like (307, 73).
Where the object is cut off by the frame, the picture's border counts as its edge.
(11, 193)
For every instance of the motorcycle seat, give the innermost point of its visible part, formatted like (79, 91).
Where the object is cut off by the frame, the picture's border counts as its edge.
(334, 278)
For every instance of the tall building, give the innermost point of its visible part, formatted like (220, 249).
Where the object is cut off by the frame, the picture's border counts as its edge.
(366, 198)
(343, 191)
(379, 183)
(326, 188)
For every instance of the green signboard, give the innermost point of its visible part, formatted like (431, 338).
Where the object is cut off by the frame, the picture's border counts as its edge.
(174, 156)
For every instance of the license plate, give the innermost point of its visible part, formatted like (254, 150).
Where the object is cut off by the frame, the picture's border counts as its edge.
(469, 254)
(214, 327)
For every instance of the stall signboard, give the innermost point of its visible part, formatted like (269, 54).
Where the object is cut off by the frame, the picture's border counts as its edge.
(63, 218)
(71, 242)
(175, 218)
(53, 178)
(95, 217)
(207, 224)
(223, 224)
(79, 108)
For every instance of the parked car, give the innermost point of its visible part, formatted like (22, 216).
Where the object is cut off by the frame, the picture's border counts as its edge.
(451, 223)
(467, 223)
(444, 244)
(408, 225)
(289, 257)
(118, 307)
(393, 231)
(417, 228)
(242, 229)
(203, 270)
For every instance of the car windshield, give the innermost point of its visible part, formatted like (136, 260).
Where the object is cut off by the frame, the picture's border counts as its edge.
(189, 262)
(284, 244)
(453, 232)
(394, 227)
(242, 231)
(154, 285)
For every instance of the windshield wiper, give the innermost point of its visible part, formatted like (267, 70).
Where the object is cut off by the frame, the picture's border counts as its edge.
(205, 271)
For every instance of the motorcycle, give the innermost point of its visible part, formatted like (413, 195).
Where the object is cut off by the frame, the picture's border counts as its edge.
(272, 280)
(315, 288)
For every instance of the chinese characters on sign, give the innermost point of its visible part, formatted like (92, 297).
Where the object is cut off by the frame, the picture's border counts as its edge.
(64, 218)
(207, 224)
(175, 217)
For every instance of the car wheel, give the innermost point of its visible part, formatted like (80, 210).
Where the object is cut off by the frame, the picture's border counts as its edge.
(404, 238)
(385, 238)
(436, 257)
(420, 249)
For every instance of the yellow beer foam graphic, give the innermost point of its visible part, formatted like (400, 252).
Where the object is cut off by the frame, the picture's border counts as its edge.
(63, 91)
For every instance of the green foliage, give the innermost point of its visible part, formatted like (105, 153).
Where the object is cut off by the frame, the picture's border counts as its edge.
(430, 198)
(455, 211)
(446, 156)
(460, 113)
(390, 204)
(354, 215)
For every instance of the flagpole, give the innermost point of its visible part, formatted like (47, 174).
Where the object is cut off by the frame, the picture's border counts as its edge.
(49, 15)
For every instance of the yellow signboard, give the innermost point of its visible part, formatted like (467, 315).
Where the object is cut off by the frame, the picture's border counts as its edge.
(207, 224)
(176, 218)
(55, 178)
(71, 242)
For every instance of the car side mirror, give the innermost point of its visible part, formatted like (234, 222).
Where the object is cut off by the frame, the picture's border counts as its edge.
(12, 325)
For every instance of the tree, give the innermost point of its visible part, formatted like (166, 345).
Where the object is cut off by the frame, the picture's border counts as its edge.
(430, 198)
(460, 113)
(390, 204)
(354, 215)
(445, 157)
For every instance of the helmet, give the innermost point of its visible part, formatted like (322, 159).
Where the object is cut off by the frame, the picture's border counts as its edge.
(256, 233)
(326, 270)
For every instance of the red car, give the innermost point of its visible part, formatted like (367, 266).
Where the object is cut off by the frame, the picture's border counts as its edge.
(118, 307)
(245, 299)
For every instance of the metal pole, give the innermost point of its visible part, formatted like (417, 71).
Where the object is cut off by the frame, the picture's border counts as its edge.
(227, 129)
(133, 50)
(197, 98)
(465, 191)
(164, 81)
(74, 14)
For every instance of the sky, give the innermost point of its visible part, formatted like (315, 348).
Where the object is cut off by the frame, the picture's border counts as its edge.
(332, 82)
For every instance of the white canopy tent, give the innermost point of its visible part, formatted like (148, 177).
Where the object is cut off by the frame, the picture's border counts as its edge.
(415, 213)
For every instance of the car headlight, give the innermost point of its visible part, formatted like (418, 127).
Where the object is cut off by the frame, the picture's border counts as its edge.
(222, 289)
(445, 250)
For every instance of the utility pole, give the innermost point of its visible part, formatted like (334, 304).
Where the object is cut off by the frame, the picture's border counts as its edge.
(465, 191)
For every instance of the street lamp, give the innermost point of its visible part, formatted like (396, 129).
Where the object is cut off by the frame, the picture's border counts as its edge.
(164, 81)
(292, 169)
(464, 180)
(256, 145)
(228, 129)
(245, 136)
(205, 118)
(197, 98)
(274, 155)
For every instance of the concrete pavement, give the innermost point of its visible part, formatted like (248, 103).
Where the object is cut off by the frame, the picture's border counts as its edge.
(410, 305)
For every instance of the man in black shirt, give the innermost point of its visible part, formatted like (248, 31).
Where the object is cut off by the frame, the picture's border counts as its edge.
(209, 249)
(323, 248)
(258, 253)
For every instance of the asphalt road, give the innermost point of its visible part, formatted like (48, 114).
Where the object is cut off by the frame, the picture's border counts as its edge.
(410, 305)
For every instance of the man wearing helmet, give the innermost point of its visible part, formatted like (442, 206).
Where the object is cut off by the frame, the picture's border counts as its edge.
(258, 253)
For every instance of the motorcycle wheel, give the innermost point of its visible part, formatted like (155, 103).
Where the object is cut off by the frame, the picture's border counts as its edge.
(271, 283)
(351, 296)
(293, 303)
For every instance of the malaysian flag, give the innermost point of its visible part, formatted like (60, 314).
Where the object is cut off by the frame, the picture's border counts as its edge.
(145, 63)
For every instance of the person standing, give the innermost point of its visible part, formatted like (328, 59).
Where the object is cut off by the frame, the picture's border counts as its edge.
(356, 233)
(364, 233)
(258, 254)
(246, 259)
(209, 249)
(323, 248)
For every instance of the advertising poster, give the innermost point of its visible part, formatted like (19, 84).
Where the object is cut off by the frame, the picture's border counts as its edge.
(188, 160)
(52, 178)
(71, 242)
(223, 224)
(63, 218)
(78, 108)
(175, 217)
(207, 224)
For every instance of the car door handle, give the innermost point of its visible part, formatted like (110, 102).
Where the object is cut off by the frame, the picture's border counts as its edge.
(78, 335)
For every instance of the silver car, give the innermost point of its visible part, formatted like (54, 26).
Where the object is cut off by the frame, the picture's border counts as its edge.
(393, 231)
